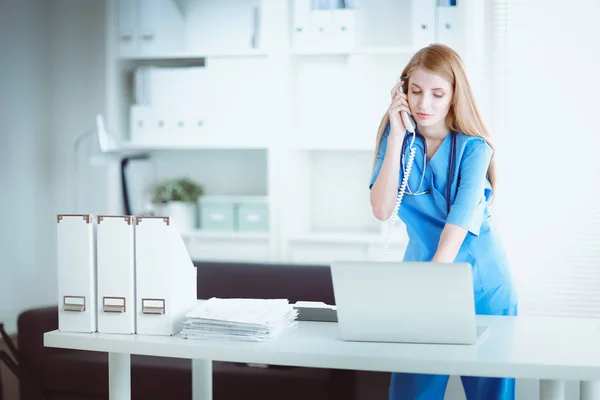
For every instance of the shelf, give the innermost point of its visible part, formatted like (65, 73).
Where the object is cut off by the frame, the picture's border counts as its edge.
(358, 51)
(132, 147)
(129, 148)
(340, 146)
(274, 110)
(228, 246)
(356, 238)
(195, 55)
(189, 144)
(214, 235)
(263, 53)
(325, 248)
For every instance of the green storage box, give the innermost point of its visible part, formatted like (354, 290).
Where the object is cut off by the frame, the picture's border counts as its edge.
(217, 213)
(253, 214)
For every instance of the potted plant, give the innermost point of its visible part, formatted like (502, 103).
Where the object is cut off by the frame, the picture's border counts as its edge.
(178, 199)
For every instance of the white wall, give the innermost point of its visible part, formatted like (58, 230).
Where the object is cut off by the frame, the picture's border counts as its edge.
(76, 93)
(547, 153)
(51, 86)
(25, 193)
(549, 193)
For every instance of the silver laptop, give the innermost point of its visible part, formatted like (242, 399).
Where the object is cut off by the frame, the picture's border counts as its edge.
(405, 302)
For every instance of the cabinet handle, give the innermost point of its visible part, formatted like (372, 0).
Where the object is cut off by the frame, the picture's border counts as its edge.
(126, 36)
(217, 217)
(147, 36)
(253, 217)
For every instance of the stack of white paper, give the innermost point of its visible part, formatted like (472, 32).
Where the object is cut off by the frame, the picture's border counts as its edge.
(253, 320)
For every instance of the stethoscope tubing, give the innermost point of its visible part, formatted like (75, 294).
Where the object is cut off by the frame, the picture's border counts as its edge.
(451, 166)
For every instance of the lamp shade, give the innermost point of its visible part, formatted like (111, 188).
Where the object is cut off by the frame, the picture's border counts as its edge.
(104, 147)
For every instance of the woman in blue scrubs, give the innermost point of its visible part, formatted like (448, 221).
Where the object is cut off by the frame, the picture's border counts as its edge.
(445, 205)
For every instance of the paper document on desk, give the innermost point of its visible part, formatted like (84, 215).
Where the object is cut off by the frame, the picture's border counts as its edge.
(239, 319)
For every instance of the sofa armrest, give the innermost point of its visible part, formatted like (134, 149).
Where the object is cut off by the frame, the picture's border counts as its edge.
(31, 325)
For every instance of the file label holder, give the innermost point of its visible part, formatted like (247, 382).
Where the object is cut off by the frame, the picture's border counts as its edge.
(74, 303)
(114, 304)
(153, 306)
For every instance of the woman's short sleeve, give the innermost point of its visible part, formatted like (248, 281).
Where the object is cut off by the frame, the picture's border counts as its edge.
(380, 155)
(468, 209)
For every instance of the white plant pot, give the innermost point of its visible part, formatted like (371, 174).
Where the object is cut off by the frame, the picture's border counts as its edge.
(183, 215)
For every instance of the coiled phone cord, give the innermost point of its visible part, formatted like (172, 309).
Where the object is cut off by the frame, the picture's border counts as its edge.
(395, 217)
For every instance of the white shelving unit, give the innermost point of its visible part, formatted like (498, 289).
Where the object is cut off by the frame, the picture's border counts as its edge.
(193, 55)
(293, 100)
(355, 51)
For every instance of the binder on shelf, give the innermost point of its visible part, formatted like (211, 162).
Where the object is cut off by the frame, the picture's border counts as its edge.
(169, 102)
(301, 24)
(321, 25)
(116, 274)
(165, 277)
(344, 28)
(76, 259)
(141, 123)
(423, 22)
(448, 27)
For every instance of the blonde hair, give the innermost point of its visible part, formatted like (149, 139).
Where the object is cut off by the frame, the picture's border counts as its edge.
(463, 116)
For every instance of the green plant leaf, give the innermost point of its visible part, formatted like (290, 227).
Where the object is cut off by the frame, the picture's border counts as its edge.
(178, 189)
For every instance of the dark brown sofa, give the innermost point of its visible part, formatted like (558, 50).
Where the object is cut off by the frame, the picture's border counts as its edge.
(71, 374)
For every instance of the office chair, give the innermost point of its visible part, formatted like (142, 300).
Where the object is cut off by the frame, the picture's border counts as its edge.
(14, 363)
(1, 388)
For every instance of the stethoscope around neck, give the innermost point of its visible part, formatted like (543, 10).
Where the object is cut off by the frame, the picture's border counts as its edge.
(451, 165)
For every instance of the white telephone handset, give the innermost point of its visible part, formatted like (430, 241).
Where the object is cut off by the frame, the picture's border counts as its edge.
(409, 124)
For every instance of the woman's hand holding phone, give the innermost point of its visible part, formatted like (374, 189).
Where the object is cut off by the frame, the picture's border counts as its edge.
(399, 103)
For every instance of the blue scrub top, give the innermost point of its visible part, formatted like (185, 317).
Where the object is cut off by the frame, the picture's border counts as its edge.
(425, 215)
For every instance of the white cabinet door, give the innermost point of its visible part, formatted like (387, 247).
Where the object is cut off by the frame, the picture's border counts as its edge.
(161, 27)
(207, 249)
(127, 31)
(155, 28)
(149, 28)
(423, 22)
(395, 252)
(326, 253)
(448, 27)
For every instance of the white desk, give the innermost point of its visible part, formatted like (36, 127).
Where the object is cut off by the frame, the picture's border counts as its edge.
(550, 349)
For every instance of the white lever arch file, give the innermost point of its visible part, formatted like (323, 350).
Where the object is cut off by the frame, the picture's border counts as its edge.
(449, 26)
(116, 274)
(76, 260)
(165, 277)
(423, 22)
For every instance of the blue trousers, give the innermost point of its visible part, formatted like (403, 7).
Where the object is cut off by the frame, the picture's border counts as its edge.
(406, 386)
